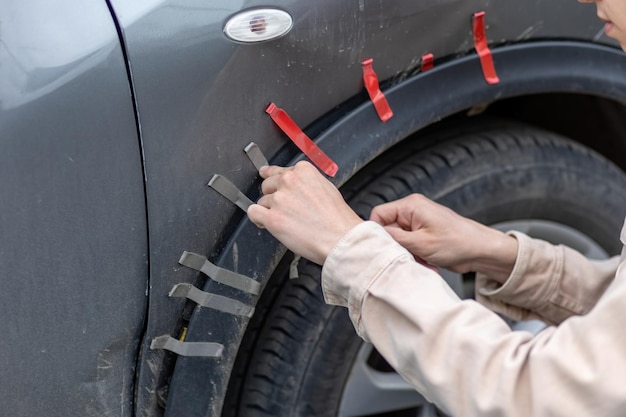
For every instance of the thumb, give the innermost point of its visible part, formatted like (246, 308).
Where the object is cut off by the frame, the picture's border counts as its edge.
(403, 237)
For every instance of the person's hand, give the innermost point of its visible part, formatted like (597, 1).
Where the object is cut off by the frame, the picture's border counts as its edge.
(439, 236)
(303, 210)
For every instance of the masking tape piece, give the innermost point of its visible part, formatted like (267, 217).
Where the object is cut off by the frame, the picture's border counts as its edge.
(256, 156)
(370, 79)
(428, 62)
(228, 190)
(221, 275)
(197, 349)
(214, 301)
(301, 140)
(482, 48)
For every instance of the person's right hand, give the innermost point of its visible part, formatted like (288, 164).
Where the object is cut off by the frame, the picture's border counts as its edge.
(303, 210)
(439, 236)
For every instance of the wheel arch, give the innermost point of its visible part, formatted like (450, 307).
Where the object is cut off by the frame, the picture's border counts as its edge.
(537, 69)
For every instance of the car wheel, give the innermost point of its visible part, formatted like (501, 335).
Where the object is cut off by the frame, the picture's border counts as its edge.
(301, 357)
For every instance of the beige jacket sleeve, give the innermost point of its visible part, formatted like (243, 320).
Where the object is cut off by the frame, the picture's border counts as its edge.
(548, 283)
(462, 356)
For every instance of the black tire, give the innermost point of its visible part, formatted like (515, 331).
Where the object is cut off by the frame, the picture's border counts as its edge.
(298, 352)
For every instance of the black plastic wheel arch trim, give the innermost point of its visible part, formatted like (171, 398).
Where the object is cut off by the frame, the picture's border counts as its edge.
(198, 385)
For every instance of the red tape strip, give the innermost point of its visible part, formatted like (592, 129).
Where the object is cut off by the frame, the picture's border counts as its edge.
(480, 43)
(373, 89)
(428, 62)
(301, 140)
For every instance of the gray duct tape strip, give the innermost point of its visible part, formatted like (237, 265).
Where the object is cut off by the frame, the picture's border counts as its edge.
(228, 190)
(214, 301)
(223, 276)
(293, 267)
(256, 156)
(199, 349)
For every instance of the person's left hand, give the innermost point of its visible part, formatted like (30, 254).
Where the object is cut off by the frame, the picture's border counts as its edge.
(303, 210)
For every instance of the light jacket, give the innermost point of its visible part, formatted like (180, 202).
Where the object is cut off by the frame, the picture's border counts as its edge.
(463, 357)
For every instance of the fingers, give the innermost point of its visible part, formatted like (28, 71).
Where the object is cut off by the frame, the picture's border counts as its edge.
(270, 185)
(272, 170)
(299, 202)
(257, 213)
(403, 237)
(276, 177)
(273, 179)
(385, 214)
(271, 176)
(399, 212)
(406, 212)
(265, 201)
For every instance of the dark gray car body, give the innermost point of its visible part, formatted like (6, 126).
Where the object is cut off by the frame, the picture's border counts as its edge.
(114, 117)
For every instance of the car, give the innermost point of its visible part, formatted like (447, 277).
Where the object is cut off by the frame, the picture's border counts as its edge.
(132, 287)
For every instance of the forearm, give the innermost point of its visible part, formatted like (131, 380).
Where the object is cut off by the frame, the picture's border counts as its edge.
(467, 361)
(441, 237)
(462, 356)
(548, 282)
(496, 253)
